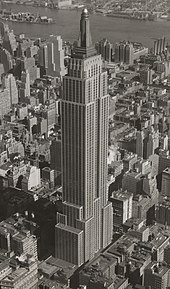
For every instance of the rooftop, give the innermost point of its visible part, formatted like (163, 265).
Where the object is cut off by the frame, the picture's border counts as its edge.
(157, 269)
(102, 262)
(141, 256)
(134, 222)
(56, 269)
(121, 195)
(136, 175)
(47, 283)
(68, 228)
(15, 275)
(119, 281)
(159, 240)
(19, 237)
(141, 201)
(17, 226)
(47, 269)
(123, 244)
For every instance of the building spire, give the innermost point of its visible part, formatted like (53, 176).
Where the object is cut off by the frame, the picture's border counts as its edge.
(85, 35)
(85, 47)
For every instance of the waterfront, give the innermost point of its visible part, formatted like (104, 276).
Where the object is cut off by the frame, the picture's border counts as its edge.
(67, 23)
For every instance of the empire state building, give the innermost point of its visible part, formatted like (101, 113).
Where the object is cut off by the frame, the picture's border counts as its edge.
(85, 227)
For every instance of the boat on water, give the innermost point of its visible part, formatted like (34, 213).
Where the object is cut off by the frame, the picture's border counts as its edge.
(24, 17)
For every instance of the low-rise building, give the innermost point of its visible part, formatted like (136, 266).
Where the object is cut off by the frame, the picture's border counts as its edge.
(25, 275)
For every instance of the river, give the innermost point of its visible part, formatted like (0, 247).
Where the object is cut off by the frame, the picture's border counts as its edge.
(67, 25)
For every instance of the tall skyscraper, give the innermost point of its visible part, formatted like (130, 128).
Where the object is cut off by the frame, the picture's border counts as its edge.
(10, 84)
(5, 100)
(105, 48)
(124, 53)
(25, 84)
(165, 189)
(85, 226)
(55, 57)
(159, 46)
(6, 59)
(8, 39)
(151, 143)
(139, 143)
(51, 57)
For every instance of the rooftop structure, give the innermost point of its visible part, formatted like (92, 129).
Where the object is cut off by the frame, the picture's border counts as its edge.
(17, 237)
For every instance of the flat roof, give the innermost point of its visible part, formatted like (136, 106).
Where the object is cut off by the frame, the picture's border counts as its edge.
(19, 237)
(102, 262)
(119, 281)
(159, 240)
(68, 228)
(52, 283)
(47, 268)
(121, 195)
(18, 273)
(158, 269)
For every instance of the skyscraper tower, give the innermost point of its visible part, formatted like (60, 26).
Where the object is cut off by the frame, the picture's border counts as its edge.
(51, 57)
(105, 48)
(11, 85)
(159, 46)
(124, 53)
(85, 226)
(55, 55)
(139, 143)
